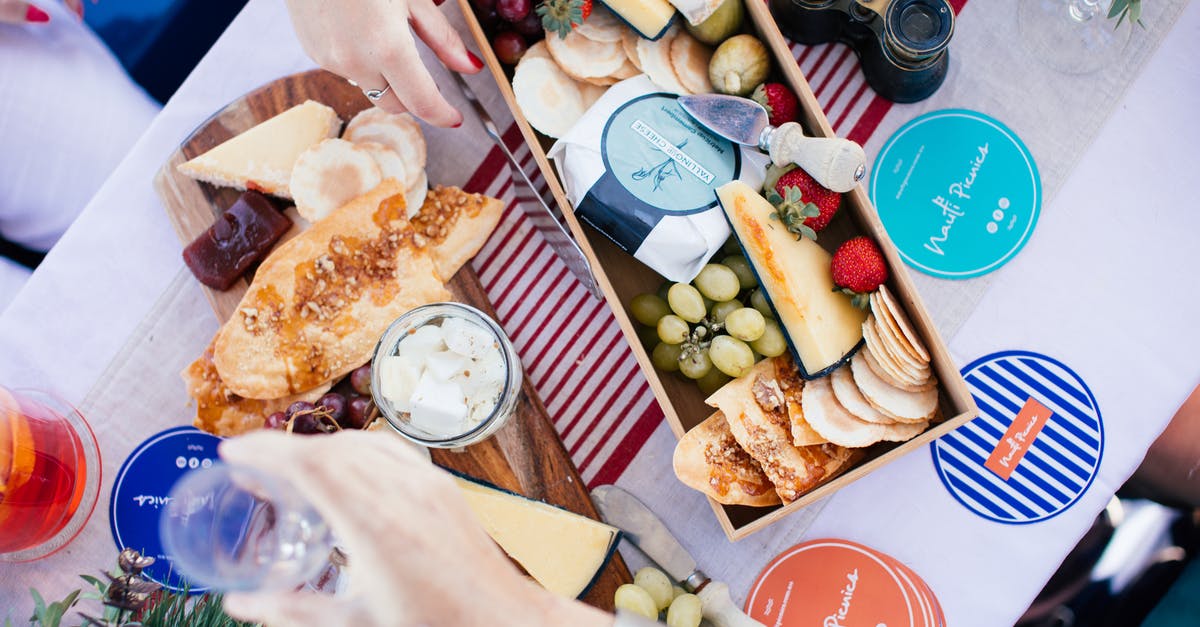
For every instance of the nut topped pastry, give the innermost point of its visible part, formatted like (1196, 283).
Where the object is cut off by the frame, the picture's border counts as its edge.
(456, 224)
(709, 459)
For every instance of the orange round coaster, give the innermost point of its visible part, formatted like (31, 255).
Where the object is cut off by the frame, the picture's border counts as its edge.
(833, 583)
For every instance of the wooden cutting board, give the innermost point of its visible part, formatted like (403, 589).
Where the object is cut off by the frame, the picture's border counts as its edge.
(526, 456)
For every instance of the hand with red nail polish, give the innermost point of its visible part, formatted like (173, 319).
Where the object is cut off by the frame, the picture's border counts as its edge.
(374, 44)
(20, 12)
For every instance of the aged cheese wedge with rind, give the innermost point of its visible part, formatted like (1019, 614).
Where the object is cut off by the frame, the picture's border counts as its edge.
(561, 550)
(822, 327)
(262, 157)
(650, 18)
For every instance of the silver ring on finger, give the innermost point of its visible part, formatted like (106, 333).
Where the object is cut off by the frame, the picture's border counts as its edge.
(375, 95)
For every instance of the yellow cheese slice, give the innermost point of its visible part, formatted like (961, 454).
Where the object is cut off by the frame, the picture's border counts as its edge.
(561, 550)
(262, 157)
(821, 325)
(650, 18)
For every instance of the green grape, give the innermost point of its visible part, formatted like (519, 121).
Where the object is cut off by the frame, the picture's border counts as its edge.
(742, 269)
(772, 343)
(635, 599)
(685, 611)
(758, 300)
(709, 303)
(721, 310)
(655, 582)
(713, 381)
(672, 329)
(676, 591)
(648, 336)
(731, 355)
(746, 324)
(686, 302)
(666, 357)
(696, 364)
(648, 309)
(662, 290)
(731, 246)
(717, 282)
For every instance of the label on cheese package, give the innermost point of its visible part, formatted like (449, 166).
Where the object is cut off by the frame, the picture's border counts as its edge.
(641, 171)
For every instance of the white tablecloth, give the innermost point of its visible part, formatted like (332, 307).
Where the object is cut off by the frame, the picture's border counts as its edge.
(1102, 286)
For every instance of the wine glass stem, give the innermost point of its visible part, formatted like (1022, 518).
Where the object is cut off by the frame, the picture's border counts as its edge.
(1084, 10)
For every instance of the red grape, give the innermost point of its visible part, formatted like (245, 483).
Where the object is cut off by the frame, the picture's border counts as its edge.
(357, 412)
(360, 379)
(276, 420)
(483, 6)
(489, 20)
(335, 404)
(299, 407)
(509, 46)
(513, 10)
(306, 424)
(530, 26)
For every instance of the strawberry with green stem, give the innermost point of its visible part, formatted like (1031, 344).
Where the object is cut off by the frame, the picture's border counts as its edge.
(803, 205)
(781, 104)
(561, 16)
(858, 268)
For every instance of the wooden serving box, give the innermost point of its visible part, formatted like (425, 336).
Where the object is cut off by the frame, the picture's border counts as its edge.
(621, 277)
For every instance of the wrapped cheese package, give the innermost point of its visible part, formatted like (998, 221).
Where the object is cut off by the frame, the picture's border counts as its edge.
(641, 171)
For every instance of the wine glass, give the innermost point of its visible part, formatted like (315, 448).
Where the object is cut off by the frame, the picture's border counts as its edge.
(235, 528)
(1071, 36)
(49, 474)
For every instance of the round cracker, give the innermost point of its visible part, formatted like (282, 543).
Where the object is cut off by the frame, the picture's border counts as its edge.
(600, 81)
(890, 377)
(591, 93)
(903, 432)
(888, 327)
(895, 348)
(629, 41)
(329, 175)
(414, 196)
(536, 51)
(601, 25)
(882, 350)
(550, 100)
(655, 57)
(827, 417)
(898, 374)
(391, 164)
(846, 391)
(400, 132)
(582, 58)
(629, 70)
(904, 326)
(689, 59)
(891, 401)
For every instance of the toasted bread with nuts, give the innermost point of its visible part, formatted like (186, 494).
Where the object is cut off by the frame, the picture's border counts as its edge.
(320, 302)
(456, 224)
(709, 459)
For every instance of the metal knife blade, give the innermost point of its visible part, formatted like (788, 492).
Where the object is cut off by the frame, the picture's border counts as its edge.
(740, 120)
(545, 219)
(643, 528)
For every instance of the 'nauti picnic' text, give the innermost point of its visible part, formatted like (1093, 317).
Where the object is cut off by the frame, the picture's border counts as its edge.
(835, 619)
(951, 204)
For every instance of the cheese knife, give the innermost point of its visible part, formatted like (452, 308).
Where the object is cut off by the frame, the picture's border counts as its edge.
(643, 528)
(545, 219)
(838, 164)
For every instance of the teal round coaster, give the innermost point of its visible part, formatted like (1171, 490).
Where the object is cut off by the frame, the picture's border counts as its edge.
(958, 193)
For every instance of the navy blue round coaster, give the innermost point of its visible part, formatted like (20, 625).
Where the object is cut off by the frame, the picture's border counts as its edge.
(1035, 447)
(140, 492)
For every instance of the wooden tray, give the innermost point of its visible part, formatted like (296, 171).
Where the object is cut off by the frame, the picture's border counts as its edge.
(621, 277)
(526, 456)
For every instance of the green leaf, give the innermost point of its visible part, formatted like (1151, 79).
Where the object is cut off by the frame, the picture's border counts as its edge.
(1135, 11)
(39, 605)
(1117, 7)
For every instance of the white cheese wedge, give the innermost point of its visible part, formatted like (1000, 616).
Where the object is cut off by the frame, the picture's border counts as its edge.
(447, 365)
(262, 157)
(821, 325)
(438, 407)
(561, 550)
(696, 11)
(650, 18)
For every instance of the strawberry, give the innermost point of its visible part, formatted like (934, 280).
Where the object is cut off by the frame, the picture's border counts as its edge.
(561, 16)
(802, 204)
(858, 269)
(781, 104)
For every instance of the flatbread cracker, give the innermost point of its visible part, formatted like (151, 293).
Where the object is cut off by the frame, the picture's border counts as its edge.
(629, 40)
(894, 312)
(628, 70)
(889, 400)
(655, 61)
(331, 174)
(689, 60)
(709, 459)
(550, 99)
(601, 25)
(832, 421)
(903, 432)
(590, 93)
(581, 58)
(849, 396)
(894, 348)
(454, 225)
(889, 373)
(398, 131)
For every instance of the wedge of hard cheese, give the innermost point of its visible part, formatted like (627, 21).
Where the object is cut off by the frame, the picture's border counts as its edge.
(650, 18)
(561, 550)
(262, 157)
(822, 327)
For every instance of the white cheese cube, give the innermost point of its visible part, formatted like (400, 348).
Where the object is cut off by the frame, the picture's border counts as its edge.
(422, 342)
(438, 407)
(446, 365)
(398, 377)
(467, 338)
(486, 379)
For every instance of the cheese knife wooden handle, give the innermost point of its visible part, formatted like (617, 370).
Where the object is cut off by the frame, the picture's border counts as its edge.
(838, 164)
(719, 608)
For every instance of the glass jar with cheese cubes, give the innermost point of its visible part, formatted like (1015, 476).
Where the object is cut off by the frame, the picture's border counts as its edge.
(446, 376)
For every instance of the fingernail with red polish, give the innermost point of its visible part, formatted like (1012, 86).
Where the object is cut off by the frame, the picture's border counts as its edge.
(457, 125)
(438, 3)
(474, 60)
(34, 15)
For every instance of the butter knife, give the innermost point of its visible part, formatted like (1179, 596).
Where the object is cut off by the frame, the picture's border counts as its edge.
(547, 221)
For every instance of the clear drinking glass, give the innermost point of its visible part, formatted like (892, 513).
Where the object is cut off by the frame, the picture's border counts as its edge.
(1071, 36)
(235, 528)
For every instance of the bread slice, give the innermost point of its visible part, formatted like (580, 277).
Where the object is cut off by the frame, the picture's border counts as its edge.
(708, 459)
(320, 302)
(262, 157)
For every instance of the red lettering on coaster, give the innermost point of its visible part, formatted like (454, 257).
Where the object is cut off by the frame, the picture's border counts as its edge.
(1019, 437)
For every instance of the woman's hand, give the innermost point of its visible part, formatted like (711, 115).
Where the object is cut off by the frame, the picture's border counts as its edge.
(371, 43)
(416, 553)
